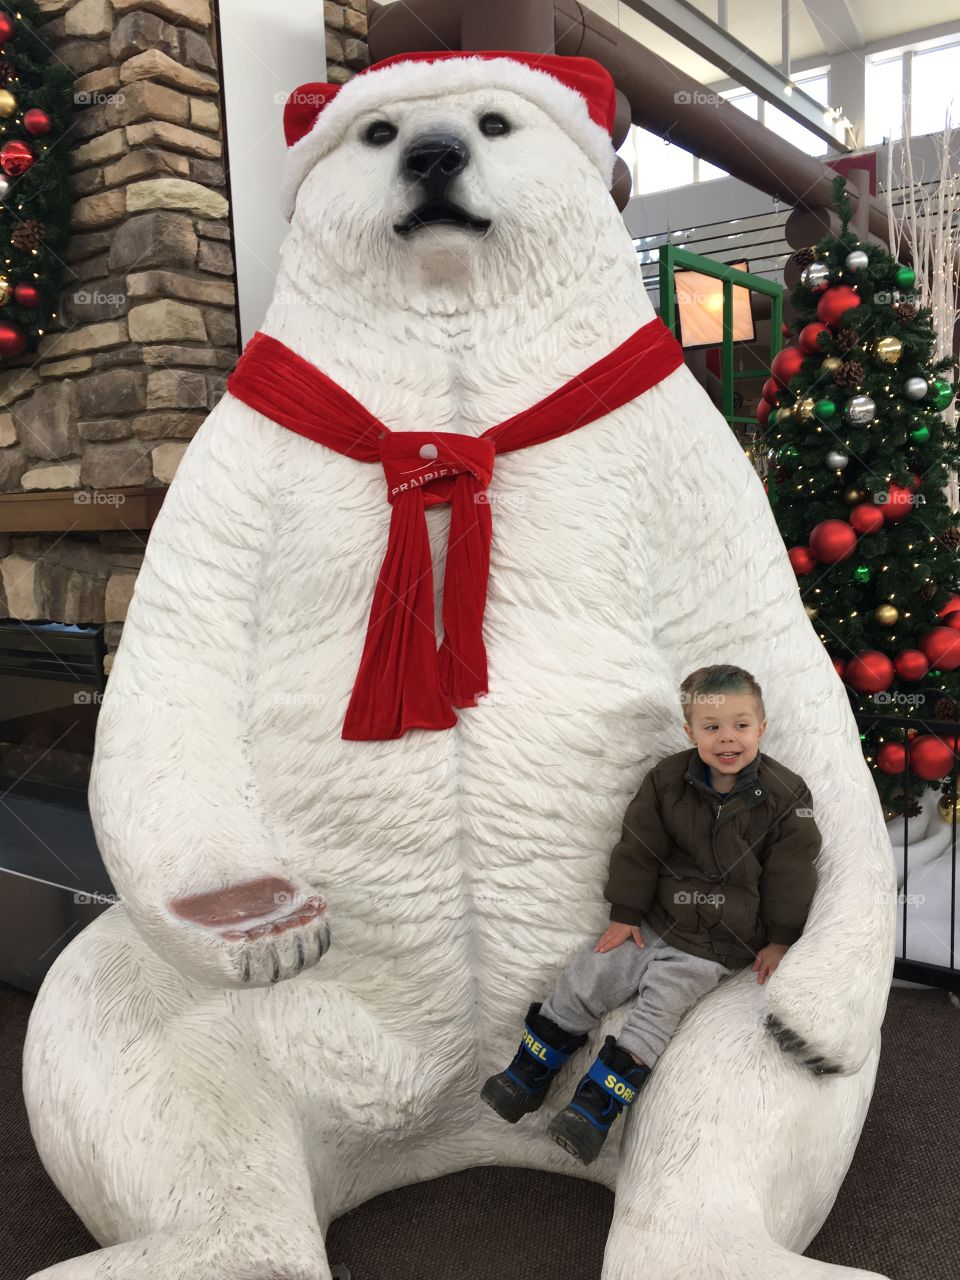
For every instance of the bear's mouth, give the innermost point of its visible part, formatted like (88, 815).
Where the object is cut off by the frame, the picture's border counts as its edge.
(441, 213)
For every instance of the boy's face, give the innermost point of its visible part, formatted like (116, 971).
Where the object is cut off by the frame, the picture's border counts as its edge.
(726, 730)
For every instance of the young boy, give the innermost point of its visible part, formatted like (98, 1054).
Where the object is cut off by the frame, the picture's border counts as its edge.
(716, 863)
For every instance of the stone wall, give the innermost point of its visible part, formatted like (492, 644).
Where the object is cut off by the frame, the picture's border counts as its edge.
(146, 330)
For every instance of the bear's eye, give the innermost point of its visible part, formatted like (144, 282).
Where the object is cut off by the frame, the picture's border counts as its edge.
(493, 126)
(380, 133)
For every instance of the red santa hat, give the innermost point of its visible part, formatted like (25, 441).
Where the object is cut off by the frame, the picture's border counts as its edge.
(578, 93)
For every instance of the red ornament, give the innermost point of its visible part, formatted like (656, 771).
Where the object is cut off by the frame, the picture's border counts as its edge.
(930, 758)
(892, 758)
(28, 295)
(839, 666)
(12, 339)
(808, 338)
(941, 647)
(763, 412)
(911, 664)
(916, 482)
(832, 540)
(835, 302)
(801, 559)
(37, 122)
(7, 28)
(771, 389)
(869, 672)
(899, 503)
(15, 158)
(952, 604)
(866, 518)
(952, 619)
(785, 329)
(786, 364)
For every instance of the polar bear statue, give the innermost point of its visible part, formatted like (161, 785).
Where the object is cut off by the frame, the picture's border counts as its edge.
(338, 895)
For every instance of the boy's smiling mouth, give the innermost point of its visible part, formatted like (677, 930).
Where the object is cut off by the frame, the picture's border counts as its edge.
(728, 756)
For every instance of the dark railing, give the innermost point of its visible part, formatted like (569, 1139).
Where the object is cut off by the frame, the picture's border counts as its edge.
(927, 868)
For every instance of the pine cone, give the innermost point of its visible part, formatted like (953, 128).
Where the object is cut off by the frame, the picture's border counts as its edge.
(906, 312)
(945, 709)
(926, 591)
(847, 339)
(850, 374)
(803, 257)
(951, 537)
(28, 235)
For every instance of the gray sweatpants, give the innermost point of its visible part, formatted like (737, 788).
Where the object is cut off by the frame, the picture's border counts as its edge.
(665, 980)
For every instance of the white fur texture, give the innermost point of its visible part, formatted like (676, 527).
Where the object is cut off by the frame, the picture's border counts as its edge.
(362, 99)
(209, 1128)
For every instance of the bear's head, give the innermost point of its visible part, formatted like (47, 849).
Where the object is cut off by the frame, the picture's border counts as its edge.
(461, 196)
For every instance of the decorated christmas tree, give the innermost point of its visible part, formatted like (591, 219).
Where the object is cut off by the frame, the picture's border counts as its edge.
(35, 199)
(860, 456)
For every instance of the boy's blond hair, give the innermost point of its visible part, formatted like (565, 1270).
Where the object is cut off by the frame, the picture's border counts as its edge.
(704, 684)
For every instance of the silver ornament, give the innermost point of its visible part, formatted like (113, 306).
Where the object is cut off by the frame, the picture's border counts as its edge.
(816, 275)
(4, 187)
(860, 409)
(915, 388)
(836, 460)
(856, 260)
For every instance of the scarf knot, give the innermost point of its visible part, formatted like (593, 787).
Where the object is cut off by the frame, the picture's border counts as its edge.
(430, 462)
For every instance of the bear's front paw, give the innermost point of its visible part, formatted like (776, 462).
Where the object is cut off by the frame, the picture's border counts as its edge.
(266, 929)
(796, 1045)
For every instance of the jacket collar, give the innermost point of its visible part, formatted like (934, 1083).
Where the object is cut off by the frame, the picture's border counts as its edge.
(747, 791)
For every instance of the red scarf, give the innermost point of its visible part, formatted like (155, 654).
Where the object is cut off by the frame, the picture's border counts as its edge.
(403, 681)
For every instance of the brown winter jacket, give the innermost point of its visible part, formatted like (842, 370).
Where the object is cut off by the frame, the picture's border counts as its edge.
(716, 877)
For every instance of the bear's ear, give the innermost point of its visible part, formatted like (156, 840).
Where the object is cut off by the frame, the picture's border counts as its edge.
(302, 108)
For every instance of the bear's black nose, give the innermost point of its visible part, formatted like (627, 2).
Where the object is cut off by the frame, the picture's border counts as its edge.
(435, 160)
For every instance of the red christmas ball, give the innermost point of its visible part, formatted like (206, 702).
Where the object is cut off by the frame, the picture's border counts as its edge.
(941, 648)
(771, 389)
(808, 338)
(870, 672)
(801, 559)
(898, 504)
(763, 412)
(950, 607)
(930, 758)
(12, 339)
(892, 757)
(15, 158)
(37, 122)
(866, 518)
(835, 302)
(832, 540)
(786, 364)
(952, 619)
(839, 666)
(7, 28)
(911, 664)
(28, 295)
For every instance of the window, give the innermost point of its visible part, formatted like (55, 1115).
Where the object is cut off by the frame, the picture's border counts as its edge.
(815, 85)
(884, 100)
(934, 89)
(656, 165)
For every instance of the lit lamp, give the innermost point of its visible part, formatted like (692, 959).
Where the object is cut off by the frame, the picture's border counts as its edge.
(700, 308)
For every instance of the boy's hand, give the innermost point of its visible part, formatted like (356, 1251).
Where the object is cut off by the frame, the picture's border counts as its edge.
(618, 933)
(768, 958)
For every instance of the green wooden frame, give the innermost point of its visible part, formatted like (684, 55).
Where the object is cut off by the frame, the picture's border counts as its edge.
(672, 257)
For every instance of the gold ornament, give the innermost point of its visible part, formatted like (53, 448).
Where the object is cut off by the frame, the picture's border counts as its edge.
(8, 103)
(949, 810)
(5, 291)
(805, 409)
(784, 415)
(831, 364)
(854, 495)
(887, 615)
(888, 350)
(811, 611)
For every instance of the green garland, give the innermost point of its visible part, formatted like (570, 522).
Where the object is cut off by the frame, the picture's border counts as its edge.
(910, 564)
(42, 193)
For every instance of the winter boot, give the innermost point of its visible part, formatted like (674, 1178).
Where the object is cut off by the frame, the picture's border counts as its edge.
(522, 1087)
(611, 1084)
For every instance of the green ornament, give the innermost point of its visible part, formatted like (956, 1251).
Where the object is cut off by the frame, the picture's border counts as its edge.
(772, 418)
(825, 409)
(920, 435)
(941, 393)
(862, 573)
(788, 453)
(906, 277)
